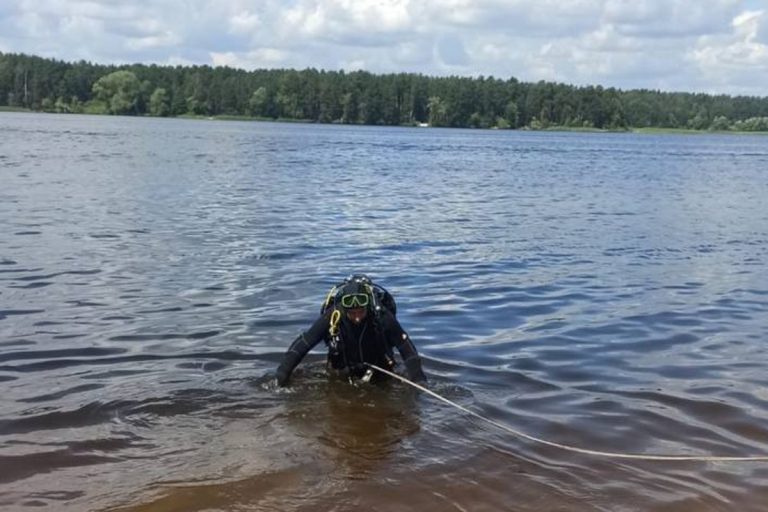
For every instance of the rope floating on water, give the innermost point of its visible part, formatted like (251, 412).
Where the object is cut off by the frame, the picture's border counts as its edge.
(576, 449)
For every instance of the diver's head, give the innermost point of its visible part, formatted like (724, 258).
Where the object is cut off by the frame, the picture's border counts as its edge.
(355, 299)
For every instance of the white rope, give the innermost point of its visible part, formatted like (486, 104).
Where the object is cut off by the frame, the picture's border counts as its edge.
(634, 456)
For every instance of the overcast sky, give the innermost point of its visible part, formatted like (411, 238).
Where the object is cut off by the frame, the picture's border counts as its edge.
(716, 46)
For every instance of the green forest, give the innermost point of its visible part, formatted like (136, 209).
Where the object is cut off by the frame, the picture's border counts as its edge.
(310, 95)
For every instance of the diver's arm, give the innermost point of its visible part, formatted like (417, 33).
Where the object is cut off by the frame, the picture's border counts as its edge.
(305, 342)
(399, 339)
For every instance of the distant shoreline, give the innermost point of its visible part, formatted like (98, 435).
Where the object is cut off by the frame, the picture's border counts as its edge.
(640, 131)
(364, 98)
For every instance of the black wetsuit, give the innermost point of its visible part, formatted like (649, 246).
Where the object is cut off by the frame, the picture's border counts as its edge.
(371, 341)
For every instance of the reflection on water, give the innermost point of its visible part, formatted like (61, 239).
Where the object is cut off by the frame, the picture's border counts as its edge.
(601, 290)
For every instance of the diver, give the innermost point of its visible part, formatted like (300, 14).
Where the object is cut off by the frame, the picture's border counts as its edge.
(357, 322)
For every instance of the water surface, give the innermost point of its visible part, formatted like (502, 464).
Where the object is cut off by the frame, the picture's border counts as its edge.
(603, 290)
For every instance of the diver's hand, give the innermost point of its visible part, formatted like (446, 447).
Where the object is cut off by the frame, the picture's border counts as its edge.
(281, 376)
(413, 368)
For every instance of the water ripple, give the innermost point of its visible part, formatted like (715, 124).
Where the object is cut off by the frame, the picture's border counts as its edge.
(601, 290)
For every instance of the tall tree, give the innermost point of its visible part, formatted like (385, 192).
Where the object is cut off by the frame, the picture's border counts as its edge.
(120, 91)
(159, 103)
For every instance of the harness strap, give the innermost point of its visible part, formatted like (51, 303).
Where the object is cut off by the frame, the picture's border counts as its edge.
(335, 319)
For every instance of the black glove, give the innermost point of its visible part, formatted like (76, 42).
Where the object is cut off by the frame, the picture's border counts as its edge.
(286, 367)
(413, 368)
(281, 375)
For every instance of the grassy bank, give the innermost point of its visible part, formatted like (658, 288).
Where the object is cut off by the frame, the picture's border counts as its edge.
(239, 118)
(688, 131)
(577, 129)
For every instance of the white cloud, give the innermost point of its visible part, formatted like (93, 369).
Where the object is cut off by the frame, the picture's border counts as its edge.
(261, 58)
(762, 32)
(671, 18)
(349, 22)
(451, 52)
(244, 22)
(413, 53)
(97, 9)
(739, 60)
(703, 45)
(166, 39)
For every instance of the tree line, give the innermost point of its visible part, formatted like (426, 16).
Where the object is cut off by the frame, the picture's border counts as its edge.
(360, 97)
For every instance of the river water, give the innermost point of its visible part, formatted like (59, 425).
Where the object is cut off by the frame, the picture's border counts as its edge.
(607, 291)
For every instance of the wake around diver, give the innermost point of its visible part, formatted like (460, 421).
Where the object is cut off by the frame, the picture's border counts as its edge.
(357, 322)
(359, 326)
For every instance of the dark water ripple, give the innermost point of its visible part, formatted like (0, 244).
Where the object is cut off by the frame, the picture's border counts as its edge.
(602, 290)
